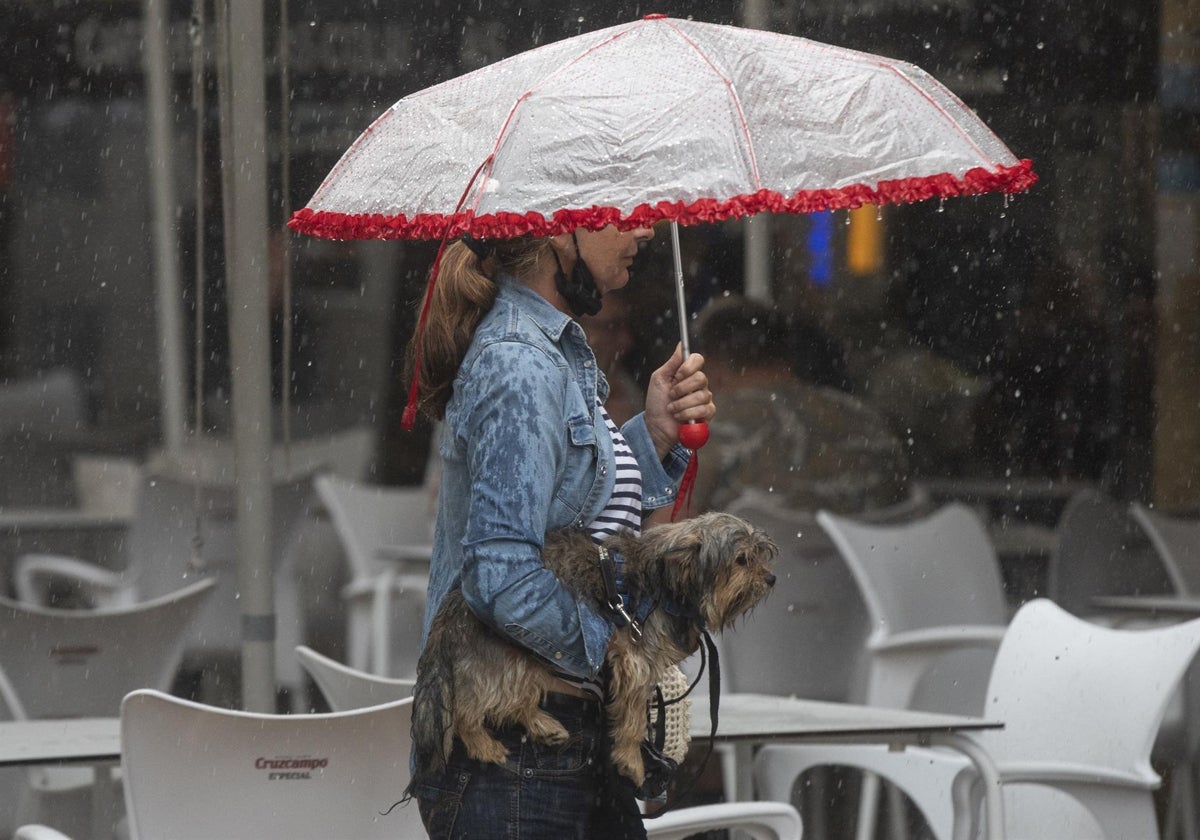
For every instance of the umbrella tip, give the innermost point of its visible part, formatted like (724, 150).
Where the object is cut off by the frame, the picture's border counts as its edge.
(653, 17)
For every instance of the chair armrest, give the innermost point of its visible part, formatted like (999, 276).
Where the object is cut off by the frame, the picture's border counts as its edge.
(39, 832)
(760, 819)
(103, 584)
(1056, 772)
(936, 638)
(369, 587)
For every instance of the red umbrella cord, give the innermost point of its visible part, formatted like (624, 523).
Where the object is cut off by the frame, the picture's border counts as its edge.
(409, 418)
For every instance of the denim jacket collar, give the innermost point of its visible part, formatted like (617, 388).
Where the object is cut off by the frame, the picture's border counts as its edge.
(561, 329)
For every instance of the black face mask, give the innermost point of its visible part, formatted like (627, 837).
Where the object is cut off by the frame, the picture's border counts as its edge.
(579, 290)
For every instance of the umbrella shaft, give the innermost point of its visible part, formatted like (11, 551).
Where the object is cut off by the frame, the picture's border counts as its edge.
(680, 299)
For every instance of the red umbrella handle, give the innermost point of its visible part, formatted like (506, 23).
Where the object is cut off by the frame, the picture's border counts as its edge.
(693, 435)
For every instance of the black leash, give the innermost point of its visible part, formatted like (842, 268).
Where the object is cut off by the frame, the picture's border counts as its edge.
(708, 652)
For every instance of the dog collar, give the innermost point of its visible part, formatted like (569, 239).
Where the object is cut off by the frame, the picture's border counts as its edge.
(616, 601)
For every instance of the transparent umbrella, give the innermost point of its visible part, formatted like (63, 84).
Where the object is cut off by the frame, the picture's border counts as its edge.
(658, 119)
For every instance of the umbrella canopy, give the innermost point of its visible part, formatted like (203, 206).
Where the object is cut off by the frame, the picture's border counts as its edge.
(657, 119)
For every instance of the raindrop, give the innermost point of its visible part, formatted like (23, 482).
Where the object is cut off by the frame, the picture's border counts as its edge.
(847, 217)
(879, 212)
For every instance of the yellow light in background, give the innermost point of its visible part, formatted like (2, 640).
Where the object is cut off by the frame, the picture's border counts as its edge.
(864, 241)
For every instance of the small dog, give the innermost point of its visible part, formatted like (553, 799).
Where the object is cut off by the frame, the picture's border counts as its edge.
(711, 569)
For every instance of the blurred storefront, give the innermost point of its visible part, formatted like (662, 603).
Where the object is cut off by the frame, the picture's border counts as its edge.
(1052, 336)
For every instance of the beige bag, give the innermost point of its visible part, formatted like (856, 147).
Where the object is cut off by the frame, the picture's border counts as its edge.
(674, 684)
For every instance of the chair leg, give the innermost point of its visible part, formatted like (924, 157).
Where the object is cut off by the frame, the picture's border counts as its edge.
(1181, 817)
(358, 637)
(381, 630)
(868, 807)
(814, 795)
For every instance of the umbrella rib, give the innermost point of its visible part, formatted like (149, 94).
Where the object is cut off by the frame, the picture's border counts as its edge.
(737, 102)
(528, 93)
(896, 70)
(983, 156)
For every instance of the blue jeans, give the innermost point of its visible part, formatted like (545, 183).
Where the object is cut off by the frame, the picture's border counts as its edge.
(555, 793)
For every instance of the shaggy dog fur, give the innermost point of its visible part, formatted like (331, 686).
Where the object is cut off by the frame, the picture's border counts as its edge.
(712, 569)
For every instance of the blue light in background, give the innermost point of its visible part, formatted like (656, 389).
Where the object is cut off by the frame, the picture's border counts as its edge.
(820, 248)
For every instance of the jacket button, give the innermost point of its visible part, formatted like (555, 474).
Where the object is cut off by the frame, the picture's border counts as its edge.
(603, 470)
(558, 654)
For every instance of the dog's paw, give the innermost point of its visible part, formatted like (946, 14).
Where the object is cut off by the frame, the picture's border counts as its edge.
(545, 729)
(485, 748)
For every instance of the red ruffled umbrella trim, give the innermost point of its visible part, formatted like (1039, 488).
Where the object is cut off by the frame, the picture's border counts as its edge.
(329, 225)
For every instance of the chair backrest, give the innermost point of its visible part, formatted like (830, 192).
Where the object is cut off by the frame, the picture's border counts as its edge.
(80, 663)
(1101, 551)
(107, 484)
(195, 772)
(1072, 692)
(805, 639)
(1177, 542)
(367, 517)
(348, 688)
(933, 571)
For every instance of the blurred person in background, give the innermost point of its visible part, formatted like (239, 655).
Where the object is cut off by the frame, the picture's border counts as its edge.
(611, 338)
(813, 446)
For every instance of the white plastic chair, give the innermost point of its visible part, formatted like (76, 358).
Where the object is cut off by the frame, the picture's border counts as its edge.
(806, 640)
(346, 688)
(931, 586)
(196, 772)
(759, 820)
(1081, 704)
(81, 663)
(1101, 551)
(385, 598)
(1176, 540)
(935, 599)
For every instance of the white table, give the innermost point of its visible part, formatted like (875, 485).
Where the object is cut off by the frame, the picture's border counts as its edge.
(405, 553)
(94, 741)
(1174, 606)
(67, 741)
(767, 718)
(17, 520)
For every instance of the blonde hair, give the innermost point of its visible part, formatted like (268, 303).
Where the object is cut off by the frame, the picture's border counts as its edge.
(464, 291)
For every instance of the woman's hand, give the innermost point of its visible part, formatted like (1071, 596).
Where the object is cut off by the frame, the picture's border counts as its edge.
(678, 393)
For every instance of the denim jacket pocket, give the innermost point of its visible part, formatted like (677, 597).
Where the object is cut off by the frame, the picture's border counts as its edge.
(578, 475)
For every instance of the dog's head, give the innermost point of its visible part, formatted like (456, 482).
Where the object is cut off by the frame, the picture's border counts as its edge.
(716, 564)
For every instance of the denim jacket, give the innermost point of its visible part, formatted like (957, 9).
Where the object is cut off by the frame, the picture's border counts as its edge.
(525, 451)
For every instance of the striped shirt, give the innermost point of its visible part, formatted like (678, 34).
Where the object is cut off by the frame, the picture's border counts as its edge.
(623, 511)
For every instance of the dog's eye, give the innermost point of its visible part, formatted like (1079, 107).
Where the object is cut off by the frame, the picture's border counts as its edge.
(741, 560)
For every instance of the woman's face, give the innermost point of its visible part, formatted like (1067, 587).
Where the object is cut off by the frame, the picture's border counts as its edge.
(608, 253)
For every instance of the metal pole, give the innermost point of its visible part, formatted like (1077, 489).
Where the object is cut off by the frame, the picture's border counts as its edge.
(680, 297)
(250, 351)
(168, 289)
(756, 230)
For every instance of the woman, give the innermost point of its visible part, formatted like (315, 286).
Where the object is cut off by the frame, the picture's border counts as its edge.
(527, 448)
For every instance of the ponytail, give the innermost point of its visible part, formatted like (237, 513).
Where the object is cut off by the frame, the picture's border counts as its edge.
(463, 293)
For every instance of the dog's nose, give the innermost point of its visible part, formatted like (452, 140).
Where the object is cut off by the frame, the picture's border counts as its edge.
(770, 580)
